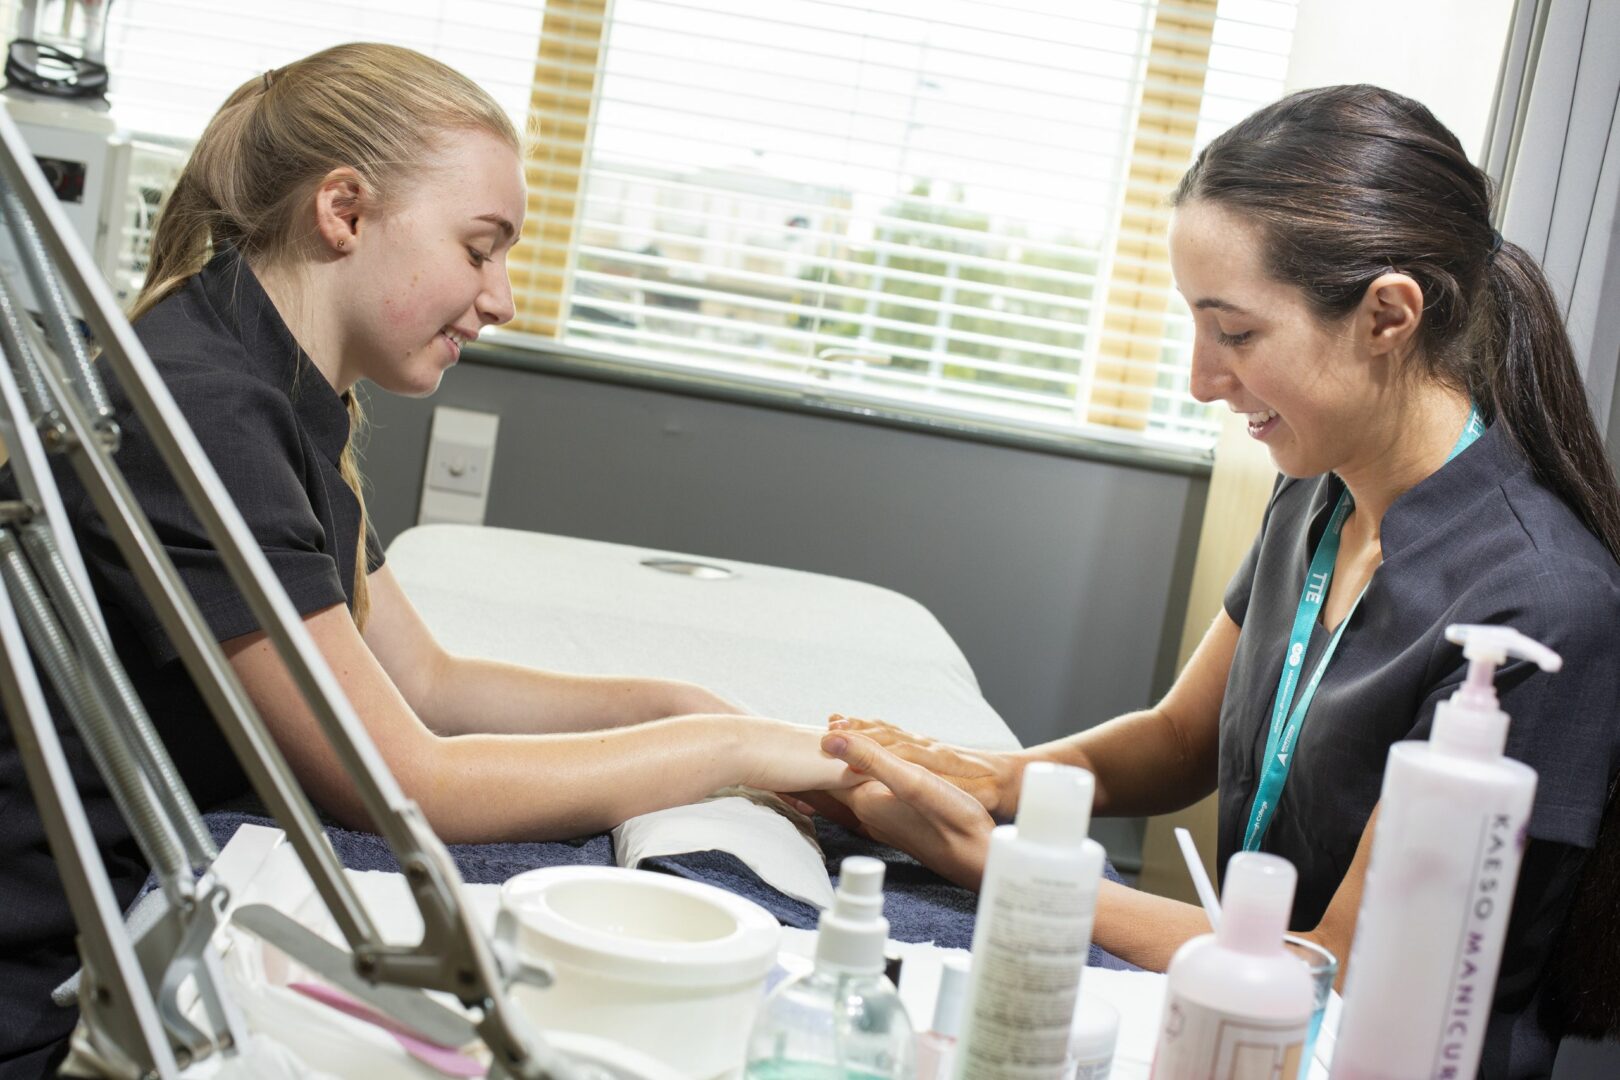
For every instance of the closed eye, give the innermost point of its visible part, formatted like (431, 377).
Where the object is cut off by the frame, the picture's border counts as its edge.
(478, 257)
(1232, 341)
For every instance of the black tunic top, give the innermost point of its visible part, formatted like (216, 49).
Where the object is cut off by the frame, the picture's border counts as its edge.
(1480, 541)
(274, 429)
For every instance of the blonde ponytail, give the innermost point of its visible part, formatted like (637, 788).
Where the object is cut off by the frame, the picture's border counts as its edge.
(191, 222)
(349, 469)
(377, 109)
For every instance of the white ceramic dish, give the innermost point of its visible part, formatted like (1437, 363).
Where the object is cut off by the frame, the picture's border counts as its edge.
(670, 967)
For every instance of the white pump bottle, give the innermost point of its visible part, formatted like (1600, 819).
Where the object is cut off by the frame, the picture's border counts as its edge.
(1033, 931)
(1445, 862)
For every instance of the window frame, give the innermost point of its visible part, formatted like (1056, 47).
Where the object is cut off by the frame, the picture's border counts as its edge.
(1108, 423)
(562, 359)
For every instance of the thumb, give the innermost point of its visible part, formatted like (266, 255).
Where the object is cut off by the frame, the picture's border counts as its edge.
(866, 756)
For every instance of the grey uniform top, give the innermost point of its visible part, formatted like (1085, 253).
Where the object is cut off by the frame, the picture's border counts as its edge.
(1480, 541)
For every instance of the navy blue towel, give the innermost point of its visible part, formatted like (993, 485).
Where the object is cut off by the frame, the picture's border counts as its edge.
(480, 864)
(920, 905)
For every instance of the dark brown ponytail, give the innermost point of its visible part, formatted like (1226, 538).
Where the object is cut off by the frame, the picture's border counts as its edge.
(1583, 980)
(1538, 393)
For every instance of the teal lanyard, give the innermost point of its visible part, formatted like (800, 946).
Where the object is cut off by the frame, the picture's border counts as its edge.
(1287, 715)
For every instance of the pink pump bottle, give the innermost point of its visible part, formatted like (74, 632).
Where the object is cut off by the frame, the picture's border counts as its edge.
(1445, 863)
(1239, 1004)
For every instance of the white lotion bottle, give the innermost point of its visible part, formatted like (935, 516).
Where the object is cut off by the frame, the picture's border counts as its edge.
(1440, 883)
(1238, 1003)
(1033, 931)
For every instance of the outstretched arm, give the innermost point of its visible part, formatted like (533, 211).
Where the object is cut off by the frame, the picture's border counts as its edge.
(945, 828)
(486, 787)
(1146, 762)
(1163, 758)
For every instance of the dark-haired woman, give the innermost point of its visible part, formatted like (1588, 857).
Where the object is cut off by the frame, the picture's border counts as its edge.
(1410, 375)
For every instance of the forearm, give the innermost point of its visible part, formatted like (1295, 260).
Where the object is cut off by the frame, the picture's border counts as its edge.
(1142, 764)
(467, 696)
(488, 787)
(1146, 929)
(1142, 928)
(1163, 758)
(485, 788)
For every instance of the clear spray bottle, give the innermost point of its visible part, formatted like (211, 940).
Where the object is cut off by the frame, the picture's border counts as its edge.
(843, 1020)
(1445, 862)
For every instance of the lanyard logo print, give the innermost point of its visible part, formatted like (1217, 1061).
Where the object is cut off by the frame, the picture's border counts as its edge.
(1287, 715)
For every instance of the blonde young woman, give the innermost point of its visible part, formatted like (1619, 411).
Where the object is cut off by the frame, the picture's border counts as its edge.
(345, 218)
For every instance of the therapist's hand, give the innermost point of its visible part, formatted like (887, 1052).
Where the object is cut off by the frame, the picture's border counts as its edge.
(990, 778)
(906, 806)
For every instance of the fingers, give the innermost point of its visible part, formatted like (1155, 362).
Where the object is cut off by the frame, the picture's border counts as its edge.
(866, 756)
(830, 805)
(855, 723)
(880, 731)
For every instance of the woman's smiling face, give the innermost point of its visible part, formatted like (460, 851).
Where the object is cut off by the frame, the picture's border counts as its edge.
(1306, 388)
(429, 273)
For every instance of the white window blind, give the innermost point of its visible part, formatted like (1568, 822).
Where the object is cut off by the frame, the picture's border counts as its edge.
(917, 201)
(948, 206)
(173, 62)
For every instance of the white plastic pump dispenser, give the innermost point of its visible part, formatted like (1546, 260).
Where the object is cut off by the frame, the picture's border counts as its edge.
(843, 1020)
(1238, 1003)
(1440, 883)
(1033, 930)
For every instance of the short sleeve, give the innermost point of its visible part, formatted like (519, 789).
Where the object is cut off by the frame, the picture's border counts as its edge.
(375, 556)
(1241, 586)
(1565, 725)
(1242, 583)
(250, 434)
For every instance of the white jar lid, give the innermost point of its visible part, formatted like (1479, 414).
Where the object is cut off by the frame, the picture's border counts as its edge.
(640, 926)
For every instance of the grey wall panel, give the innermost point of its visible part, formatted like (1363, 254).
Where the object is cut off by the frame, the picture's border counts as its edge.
(1560, 171)
(1056, 575)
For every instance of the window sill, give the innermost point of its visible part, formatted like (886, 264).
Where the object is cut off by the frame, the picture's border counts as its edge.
(574, 363)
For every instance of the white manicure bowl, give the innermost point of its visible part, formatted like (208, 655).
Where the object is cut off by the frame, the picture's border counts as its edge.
(670, 967)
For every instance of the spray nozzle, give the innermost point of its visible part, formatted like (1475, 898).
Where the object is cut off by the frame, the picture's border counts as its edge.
(860, 888)
(851, 933)
(1471, 721)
